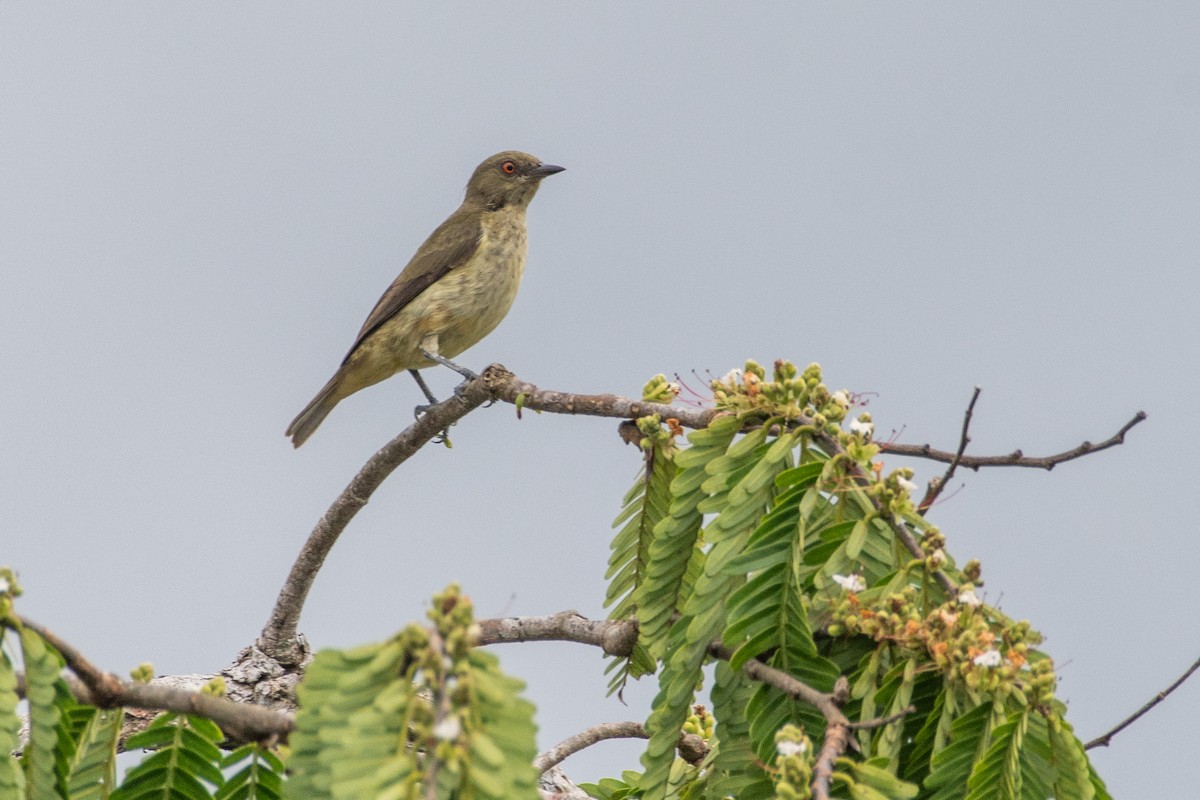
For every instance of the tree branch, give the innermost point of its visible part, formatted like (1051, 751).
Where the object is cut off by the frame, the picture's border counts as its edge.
(692, 748)
(278, 638)
(615, 637)
(1016, 458)
(837, 739)
(239, 721)
(508, 387)
(1105, 739)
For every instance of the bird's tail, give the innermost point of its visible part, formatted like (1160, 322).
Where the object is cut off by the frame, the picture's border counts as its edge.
(315, 412)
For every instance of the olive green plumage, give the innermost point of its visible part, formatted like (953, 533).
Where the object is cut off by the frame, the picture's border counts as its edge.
(455, 290)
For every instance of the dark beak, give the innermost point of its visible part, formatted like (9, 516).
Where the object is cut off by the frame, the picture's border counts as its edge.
(545, 170)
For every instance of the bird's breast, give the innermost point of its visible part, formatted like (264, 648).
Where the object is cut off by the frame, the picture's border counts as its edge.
(482, 291)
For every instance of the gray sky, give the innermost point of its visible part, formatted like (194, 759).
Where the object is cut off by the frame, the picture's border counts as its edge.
(202, 202)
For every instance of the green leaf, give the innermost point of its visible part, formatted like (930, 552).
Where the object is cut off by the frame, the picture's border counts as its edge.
(41, 674)
(181, 766)
(92, 767)
(646, 505)
(673, 545)
(998, 775)
(12, 779)
(878, 777)
(952, 766)
(735, 769)
(856, 540)
(506, 737)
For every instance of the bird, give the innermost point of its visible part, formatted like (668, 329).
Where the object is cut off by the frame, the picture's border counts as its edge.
(454, 291)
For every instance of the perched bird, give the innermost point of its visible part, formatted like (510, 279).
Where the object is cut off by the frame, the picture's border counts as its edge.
(455, 290)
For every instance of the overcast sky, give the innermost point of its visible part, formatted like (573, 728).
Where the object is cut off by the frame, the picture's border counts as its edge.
(202, 202)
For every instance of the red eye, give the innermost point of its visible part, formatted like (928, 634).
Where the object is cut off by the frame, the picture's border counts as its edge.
(509, 167)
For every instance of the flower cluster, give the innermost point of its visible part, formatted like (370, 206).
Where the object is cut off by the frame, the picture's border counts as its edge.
(787, 393)
(965, 639)
(793, 764)
(700, 722)
(659, 390)
(656, 434)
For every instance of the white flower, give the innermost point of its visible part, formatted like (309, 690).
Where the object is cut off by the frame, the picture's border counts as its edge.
(968, 598)
(988, 658)
(732, 377)
(862, 428)
(906, 484)
(448, 729)
(841, 398)
(851, 583)
(786, 747)
(4, 585)
(937, 557)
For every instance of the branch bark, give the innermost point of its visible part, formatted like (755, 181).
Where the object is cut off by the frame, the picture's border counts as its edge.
(615, 637)
(240, 721)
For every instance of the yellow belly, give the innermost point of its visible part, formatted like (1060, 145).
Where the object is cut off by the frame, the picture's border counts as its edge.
(461, 308)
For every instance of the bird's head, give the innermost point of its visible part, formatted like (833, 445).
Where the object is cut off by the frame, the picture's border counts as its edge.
(508, 178)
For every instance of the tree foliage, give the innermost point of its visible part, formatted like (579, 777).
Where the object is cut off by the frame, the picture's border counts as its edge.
(796, 608)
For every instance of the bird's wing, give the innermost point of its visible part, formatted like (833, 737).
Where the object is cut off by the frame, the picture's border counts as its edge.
(447, 248)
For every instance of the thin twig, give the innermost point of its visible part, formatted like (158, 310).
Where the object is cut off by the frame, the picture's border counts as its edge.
(1105, 739)
(938, 485)
(879, 722)
(1016, 458)
(239, 721)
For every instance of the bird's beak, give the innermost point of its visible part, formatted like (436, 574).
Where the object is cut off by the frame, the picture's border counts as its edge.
(545, 170)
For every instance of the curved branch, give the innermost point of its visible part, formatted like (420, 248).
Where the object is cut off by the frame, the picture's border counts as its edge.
(240, 721)
(1016, 458)
(1105, 739)
(692, 748)
(278, 638)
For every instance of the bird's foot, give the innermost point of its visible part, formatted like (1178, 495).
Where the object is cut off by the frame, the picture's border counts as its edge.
(441, 438)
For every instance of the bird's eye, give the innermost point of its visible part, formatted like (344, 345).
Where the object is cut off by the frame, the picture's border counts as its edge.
(508, 167)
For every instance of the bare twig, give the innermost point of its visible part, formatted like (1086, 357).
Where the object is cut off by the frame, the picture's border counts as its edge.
(615, 637)
(278, 638)
(879, 722)
(692, 748)
(1016, 458)
(938, 485)
(1106, 738)
(240, 721)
